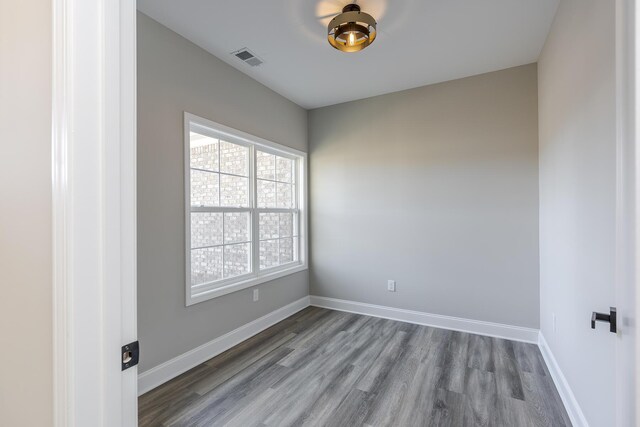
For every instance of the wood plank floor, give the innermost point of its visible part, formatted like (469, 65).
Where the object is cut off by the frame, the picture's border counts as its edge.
(329, 368)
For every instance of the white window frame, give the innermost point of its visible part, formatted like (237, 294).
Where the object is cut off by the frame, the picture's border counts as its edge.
(218, 288)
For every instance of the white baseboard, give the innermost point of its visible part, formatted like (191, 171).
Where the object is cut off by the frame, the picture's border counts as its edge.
(148, 380)
(568, 398)
(498, 330)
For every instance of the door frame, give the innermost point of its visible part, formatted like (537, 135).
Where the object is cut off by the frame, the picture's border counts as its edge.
(627, 210)
(93, 211)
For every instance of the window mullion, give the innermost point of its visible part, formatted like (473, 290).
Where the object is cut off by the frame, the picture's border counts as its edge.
(220, 201)
(223, 265)
(275, 182)
(220, 185)
(279, 237)
(252, 178)
(253, 202)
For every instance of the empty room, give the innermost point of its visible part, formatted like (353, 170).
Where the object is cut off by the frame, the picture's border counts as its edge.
(319, 213)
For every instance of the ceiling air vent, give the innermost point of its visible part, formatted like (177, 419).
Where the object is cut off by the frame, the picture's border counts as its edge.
(247, 56)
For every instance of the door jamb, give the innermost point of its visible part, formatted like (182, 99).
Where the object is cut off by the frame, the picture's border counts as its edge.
(627, 209)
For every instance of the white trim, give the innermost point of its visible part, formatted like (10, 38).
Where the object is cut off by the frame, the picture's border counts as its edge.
(627, 362)
(93, 211)
(562, 385)
(158, 375)
(218, 129)
(121, 303)
(238, 286)
(634, 66)
(61, 82)
(498, 330)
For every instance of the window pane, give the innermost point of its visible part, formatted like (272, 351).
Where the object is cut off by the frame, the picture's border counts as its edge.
(286, 250)
(284, 197)
(268, 225)
(268, 254)
(206, 265)
(266, 194)
(204, 152)
(234, 158)
(236, 260)
(286, 225)
(265, 165)
(234, 191)
(284, 169)
(204, 188)
(206, 229)
(236, 227)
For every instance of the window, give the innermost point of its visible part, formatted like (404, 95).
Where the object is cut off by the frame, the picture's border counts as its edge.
(245, 211)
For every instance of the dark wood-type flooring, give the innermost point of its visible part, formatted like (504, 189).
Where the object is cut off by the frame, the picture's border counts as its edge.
(328, 368)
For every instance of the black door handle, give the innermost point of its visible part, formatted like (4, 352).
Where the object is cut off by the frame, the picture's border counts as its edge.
(612, 318)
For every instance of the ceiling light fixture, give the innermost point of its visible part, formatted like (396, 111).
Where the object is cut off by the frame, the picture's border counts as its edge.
(352, 30)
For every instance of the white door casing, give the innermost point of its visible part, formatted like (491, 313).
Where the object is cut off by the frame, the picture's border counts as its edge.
(627, 236)
(94, 211)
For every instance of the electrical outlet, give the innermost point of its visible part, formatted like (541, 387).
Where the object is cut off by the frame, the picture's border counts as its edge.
(256, 294)
(391, 285)
(553, 317)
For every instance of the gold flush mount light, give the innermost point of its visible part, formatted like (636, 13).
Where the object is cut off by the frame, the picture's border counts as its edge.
(352, 30)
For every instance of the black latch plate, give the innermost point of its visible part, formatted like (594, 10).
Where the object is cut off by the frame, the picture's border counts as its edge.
(130, 355)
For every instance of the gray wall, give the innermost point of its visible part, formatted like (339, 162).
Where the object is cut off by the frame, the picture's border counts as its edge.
(26, 375)
(436, 188)
(577, 197)
(175, 75)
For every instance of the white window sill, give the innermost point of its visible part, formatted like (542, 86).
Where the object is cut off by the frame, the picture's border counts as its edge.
(244, 284)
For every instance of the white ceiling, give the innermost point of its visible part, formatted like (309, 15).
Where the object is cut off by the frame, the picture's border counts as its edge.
(419, 42)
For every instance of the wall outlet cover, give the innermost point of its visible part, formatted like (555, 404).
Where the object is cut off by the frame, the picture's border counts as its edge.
(256, 294)
(391, 285)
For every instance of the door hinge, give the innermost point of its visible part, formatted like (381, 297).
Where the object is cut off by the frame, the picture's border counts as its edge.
(130, 355)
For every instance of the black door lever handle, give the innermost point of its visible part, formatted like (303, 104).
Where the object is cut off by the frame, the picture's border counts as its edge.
(611, 318)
